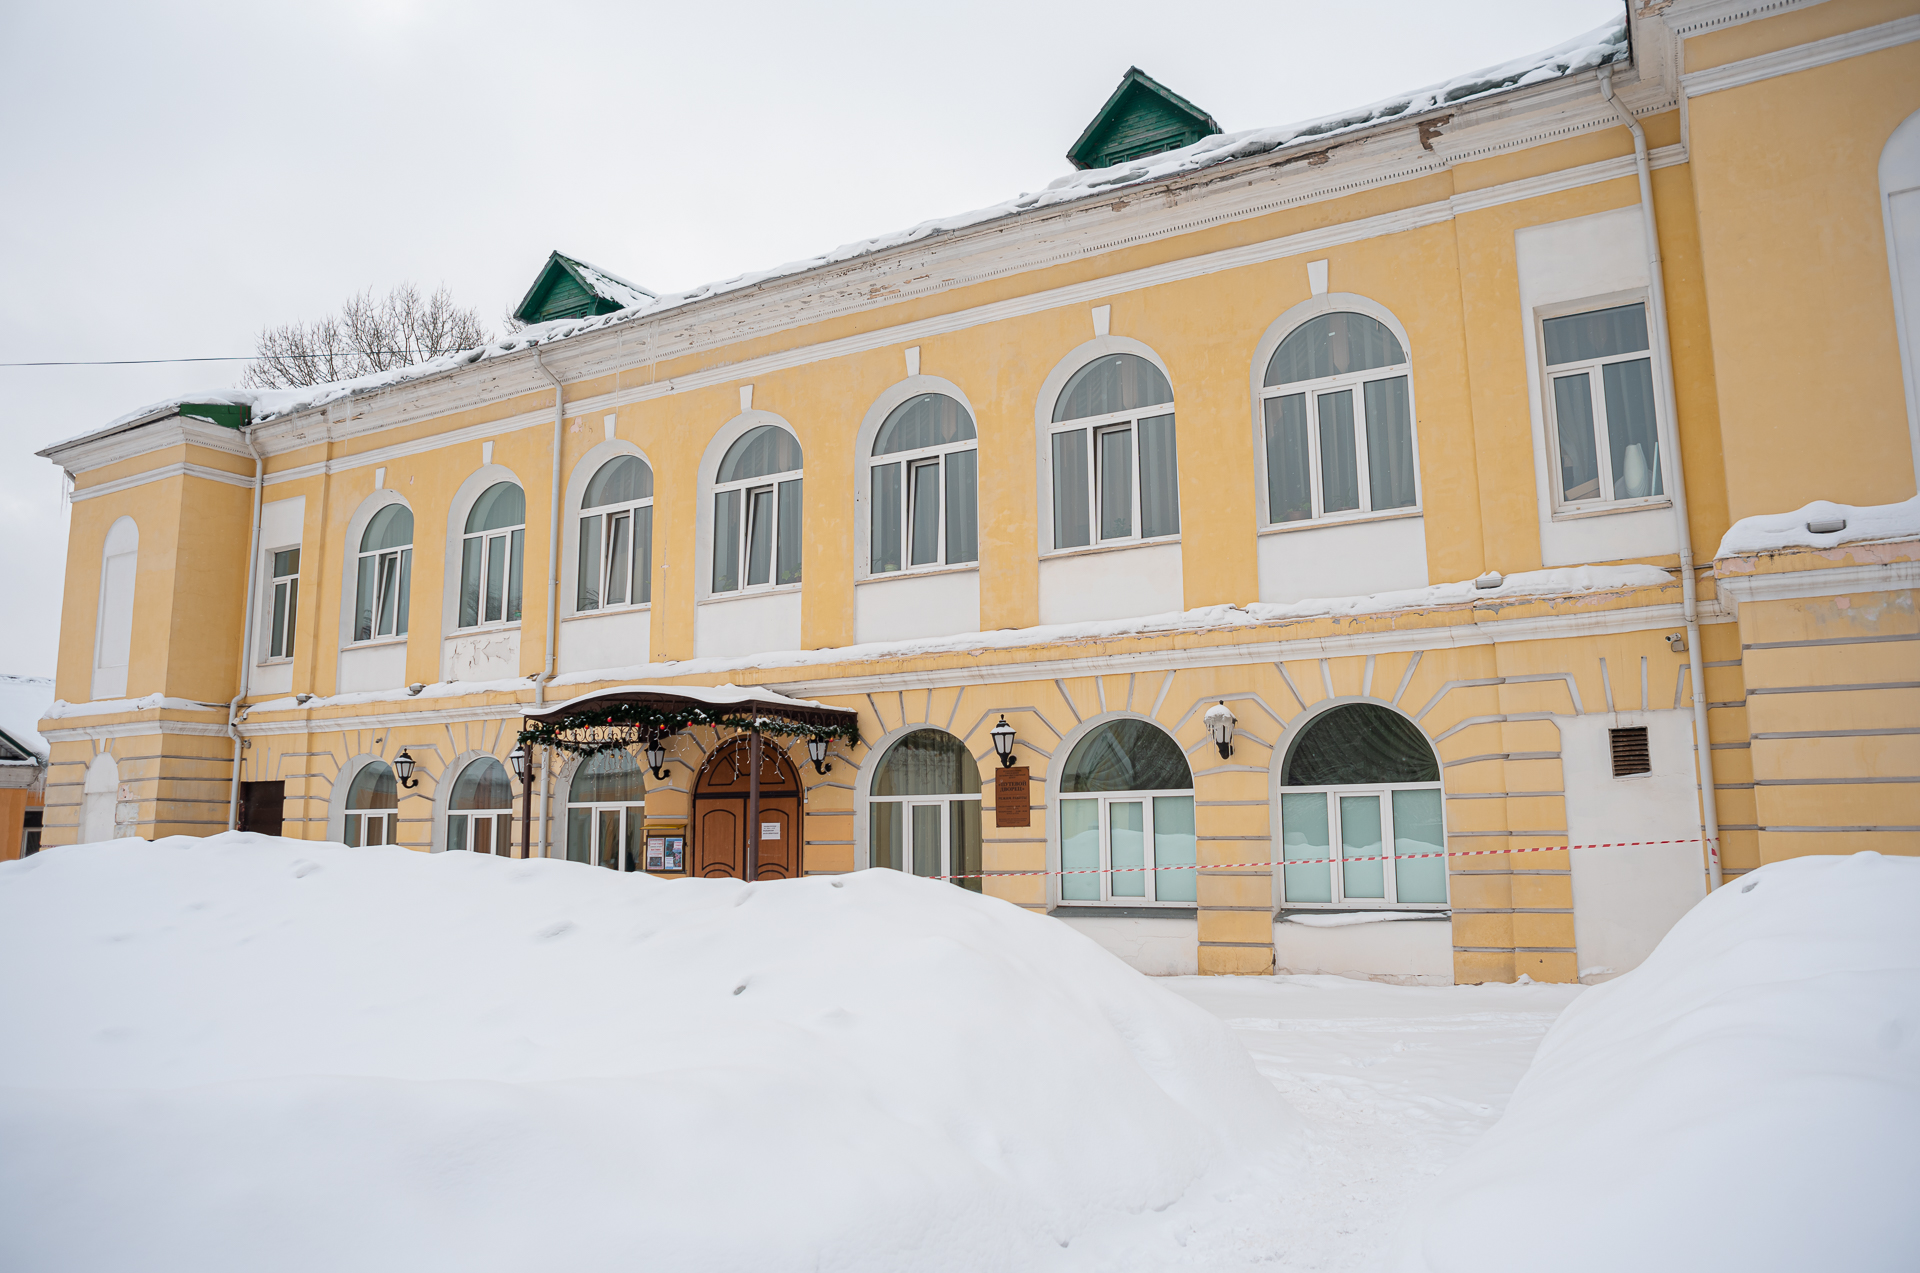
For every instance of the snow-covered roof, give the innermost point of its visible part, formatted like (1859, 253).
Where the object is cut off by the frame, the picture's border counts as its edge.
(1591, 49)
(609, 286)
(24, 701)
(1859, 523)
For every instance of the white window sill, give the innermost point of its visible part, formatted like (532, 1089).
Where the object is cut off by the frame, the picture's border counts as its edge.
(1320, 523)
(281, 662)
(486, 630)
(1093, 550)
(1365, 908)
(741, 594)
(920, 572)
(1608, 510)
(378, 643)
(607, 612)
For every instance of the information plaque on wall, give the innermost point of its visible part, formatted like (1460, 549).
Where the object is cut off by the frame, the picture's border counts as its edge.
(666, 853)
(1012, 805)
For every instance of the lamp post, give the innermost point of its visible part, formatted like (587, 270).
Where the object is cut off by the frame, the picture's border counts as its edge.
(1219, 722)
(519, 759)
(817, 753)
(1003, 742)
(403, 768)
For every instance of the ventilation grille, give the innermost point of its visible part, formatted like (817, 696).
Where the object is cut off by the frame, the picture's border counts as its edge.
(1629, 751)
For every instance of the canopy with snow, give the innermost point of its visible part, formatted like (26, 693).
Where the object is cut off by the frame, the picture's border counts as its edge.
(629, 716)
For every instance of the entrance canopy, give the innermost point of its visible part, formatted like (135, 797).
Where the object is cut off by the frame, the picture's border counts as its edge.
(632, 715)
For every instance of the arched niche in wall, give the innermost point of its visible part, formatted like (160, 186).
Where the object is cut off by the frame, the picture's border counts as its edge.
(113, 625)
(1900, 205)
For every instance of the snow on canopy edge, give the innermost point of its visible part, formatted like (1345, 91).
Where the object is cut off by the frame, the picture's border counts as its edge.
(1600, 46)
(24, 703)
(1770, 532)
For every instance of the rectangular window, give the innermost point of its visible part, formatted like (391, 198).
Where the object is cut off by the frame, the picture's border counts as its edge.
(643, 555)
(760, 536)
(516, 543)
(1389, 443)
(1159, 478)
(1339, 468)
(30, 835)
(1305, 839)
(285, 602)
(787, 567)
(1289, 460)
(1605, 424)
(1364, 832)
(1173, 847)
(885, 834)
(619, 557)
(470, 551)
(726, 541)
(1072, 525)
(1127, 842)
(924, 513)
(884, 527)
(1115, 491)
(496, 577)
(586, 593)
(963, 498)
(928, 822)
(1419, 872)
(1080, 849)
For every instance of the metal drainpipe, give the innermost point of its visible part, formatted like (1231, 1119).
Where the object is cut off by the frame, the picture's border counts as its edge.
(1657, 291)
(553, 583)
(246, 634)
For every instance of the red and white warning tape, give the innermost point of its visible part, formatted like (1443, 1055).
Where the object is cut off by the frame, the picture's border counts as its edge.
(1382, 857)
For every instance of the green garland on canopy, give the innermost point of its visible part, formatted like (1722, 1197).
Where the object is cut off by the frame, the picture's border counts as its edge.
(631, 726)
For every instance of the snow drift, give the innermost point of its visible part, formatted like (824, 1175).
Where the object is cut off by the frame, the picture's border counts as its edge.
(249, 1052)
(1746, 1099)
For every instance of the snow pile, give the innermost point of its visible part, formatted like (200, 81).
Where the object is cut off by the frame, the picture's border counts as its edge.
(254, 1053)
(1865, 522)
(1746, 1099)
(23, 704)
(61, 709)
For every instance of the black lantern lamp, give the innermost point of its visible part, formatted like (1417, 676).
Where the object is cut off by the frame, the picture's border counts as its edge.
(1003, 742)
(657, 755)
(1219, 721)
(403, 766)
(518, 758)
(817, 753)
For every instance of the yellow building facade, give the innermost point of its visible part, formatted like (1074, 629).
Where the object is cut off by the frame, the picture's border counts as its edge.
(1390, 435)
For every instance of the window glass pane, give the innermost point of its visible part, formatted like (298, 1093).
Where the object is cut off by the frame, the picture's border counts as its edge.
(482, 785)
(286, 563)
(374, 829)
(621, 480)
(470, 551)
(279, 621)
(927, 762)
(608, 835)
(350, 831)
(619, 549)
(586, 592)
(1573, 424)
(1333, 345)
(1360, 838)
(406, 591)
(791, 510)
(1417, 829)
(1634, 449)
(760, 535)
(1118, 382)
(482, 835)
(579, 834)
(1159, 478)
(963, 842)
(634, 842)
(1339, 467)
(1127, 833)
(643, 555)
(925, 506)
(293, 616)
(963, 507)
(363, 599)
(1127, 755)
(518, 550)
(883, 538)
(1598, 334)
(1389, 443)
(885, 834)
(389, 588)
(1173, 845)
(501, 505)
(1304, 838)
(932, 419)
(1071, 524)
(1289, 476)
(1079, 849)
(391, 527)
(726, 541)
(608, 778)
(927, 819)
(1360, 743)
(373, 788)
(760, 451)
(457, 833)
(496, 576)
(1116, 482)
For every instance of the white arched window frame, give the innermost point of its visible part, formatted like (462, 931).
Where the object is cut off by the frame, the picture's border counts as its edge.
(753, 522)
(1130, 842)
(1339, 446)
(1109, 478)
(113, 628)
(1372, 839)
(1900, 206)
(479, 816)
(613, 536)
(370, 809)
(492, 545)
(383, 575)
(917, 490)
(922, 790)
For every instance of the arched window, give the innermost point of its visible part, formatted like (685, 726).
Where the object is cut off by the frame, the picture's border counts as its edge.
(1338, 421)
(756, 511)
(616, 536)
(1373, 799)
(480, 810)
(1116, 474)
(924, 495)
(385, 575)
(490, 557)
(924, 810)
(1126, 803)
(1900, 206)
(113, 632)
(606, 812)
(373, 802)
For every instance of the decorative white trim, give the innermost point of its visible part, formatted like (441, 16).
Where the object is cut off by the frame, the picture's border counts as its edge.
(1700, 16)
(160, 475)
(134, 729)
(1840, 580)
(1802, 57)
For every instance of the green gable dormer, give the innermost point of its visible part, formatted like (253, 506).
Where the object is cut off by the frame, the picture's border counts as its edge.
(1143, 117)
(568, 288)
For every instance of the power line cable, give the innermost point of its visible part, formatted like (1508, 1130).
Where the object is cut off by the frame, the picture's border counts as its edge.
(148, 362)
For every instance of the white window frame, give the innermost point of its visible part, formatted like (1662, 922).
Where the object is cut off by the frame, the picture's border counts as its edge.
(388, 566)
(606, 515)
(1149, 897)
(1094, 427)
(282, 597)
(907, 460)
(1354, 382)
(1335, 869)
(354, 824)
(743, 538)
(1550, 372)
(627, 810)
(485, 537)
(946, 826)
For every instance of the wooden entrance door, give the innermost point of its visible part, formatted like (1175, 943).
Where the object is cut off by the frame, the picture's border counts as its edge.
(720, 813)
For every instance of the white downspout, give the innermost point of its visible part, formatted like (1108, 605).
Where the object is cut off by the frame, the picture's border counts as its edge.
(1657, 295)
(553, 581)
(246, 634)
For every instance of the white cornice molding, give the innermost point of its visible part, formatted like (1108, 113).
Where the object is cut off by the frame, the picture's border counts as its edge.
(1697, 17)
(160, 475)
(178, 430)
(1837, 581)
(1802, 57)
(134, 729)
(386, 720)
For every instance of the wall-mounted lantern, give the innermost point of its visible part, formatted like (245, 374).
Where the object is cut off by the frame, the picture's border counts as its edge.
(1219, 721)
(657, 755)
(1003, 742)
(403, 767)
(817, 753)
(518, 758)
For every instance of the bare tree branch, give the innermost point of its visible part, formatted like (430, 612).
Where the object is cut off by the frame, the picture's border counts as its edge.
(369, 334)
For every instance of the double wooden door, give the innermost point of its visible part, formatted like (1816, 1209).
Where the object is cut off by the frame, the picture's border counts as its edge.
(720, 813)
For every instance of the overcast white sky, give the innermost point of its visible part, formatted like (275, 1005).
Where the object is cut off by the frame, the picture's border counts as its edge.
(177, 176)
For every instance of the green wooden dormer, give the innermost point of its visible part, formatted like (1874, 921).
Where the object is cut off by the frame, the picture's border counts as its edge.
(568, 288)
(1143, 117)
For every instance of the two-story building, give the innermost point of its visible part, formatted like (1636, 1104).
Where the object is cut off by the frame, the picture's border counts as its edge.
(1332, 513)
